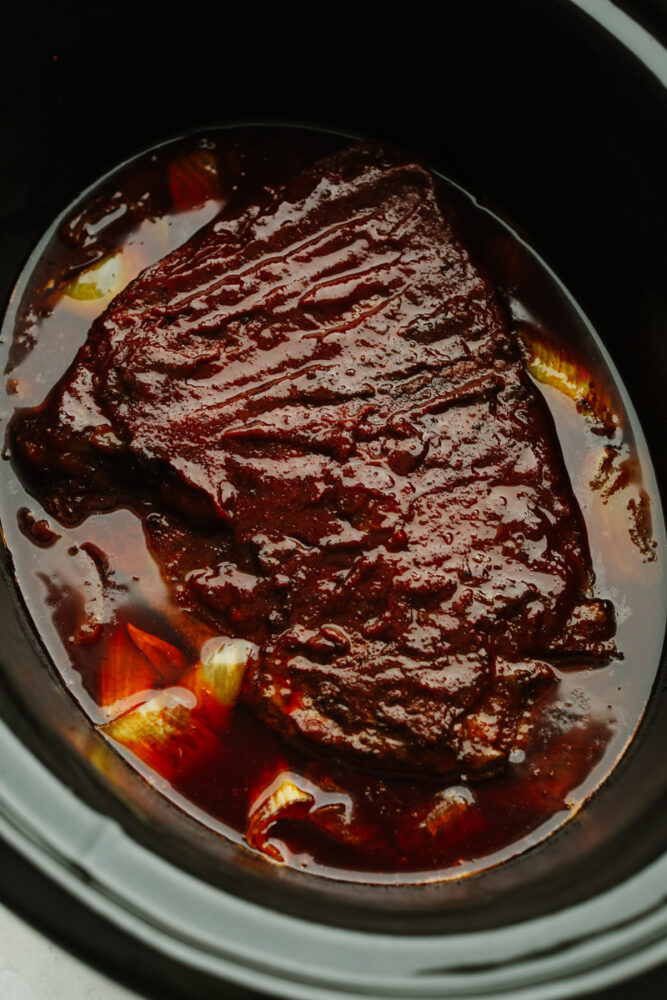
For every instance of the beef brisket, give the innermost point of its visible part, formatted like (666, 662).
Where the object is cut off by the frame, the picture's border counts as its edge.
(323, 384)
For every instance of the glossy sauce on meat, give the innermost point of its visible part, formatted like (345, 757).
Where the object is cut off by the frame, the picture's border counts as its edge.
(562, 730)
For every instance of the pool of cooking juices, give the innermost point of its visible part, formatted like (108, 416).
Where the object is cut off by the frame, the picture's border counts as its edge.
(130, 594)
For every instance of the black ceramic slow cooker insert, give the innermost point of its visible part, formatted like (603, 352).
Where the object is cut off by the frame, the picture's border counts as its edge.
(554, 112)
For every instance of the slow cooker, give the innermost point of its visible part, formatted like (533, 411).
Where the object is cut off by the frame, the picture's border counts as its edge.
(553, 112)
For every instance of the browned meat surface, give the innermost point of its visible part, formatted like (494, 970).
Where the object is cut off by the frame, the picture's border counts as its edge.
(318, 406)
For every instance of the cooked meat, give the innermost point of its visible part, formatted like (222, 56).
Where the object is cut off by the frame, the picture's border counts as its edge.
(319, 400)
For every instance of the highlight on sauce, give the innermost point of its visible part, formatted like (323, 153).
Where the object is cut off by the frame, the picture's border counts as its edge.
(160, 629)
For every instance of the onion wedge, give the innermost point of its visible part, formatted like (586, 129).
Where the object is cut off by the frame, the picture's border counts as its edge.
(165, 733)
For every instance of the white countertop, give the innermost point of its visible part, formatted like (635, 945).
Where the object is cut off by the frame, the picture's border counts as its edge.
(33, 968)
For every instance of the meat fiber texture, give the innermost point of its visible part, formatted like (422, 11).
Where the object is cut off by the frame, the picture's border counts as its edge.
(325, 380)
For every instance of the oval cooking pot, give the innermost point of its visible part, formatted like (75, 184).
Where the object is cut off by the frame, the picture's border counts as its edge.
(556, 113)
